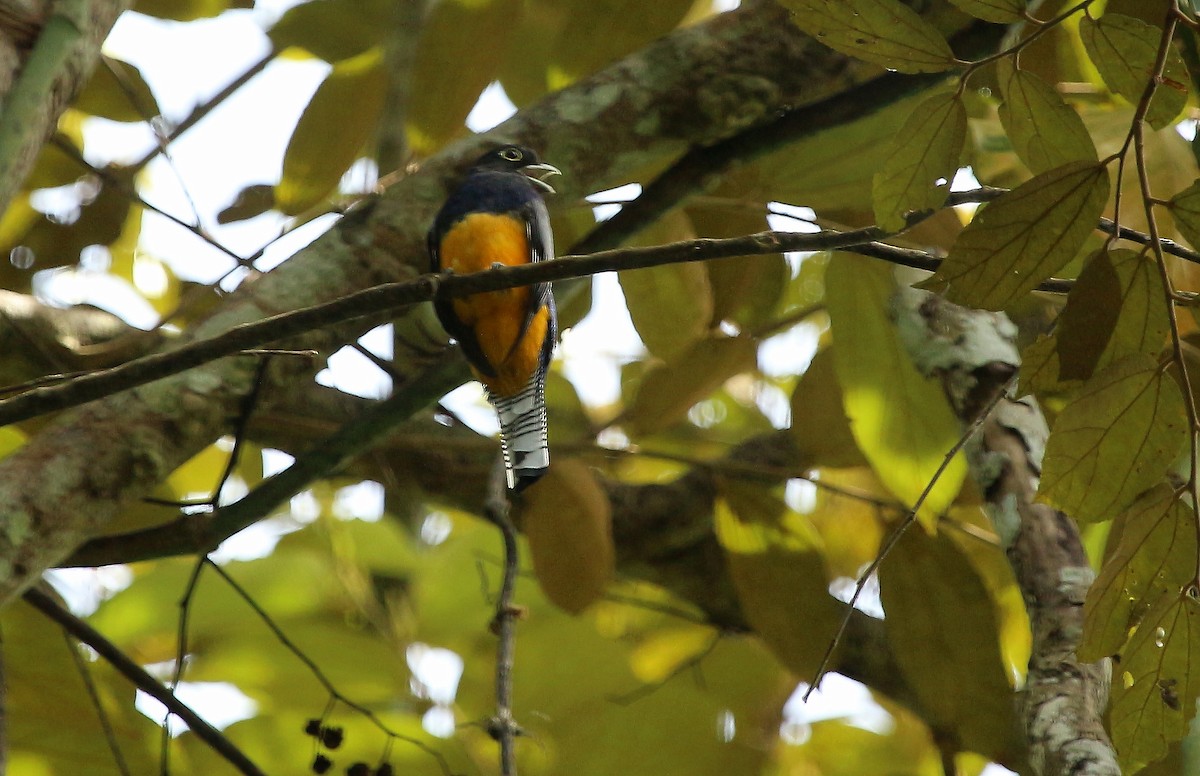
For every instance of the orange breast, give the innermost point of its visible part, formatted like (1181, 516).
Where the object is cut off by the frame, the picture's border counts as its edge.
(474, 244)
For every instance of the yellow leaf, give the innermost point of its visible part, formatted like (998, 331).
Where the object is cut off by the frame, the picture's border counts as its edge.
(942, 627)
(1024, 236)
(1124, 49)
(656, 658)
(1155, 686)
(880, 31)
(922, 161)
(11, 440)
(851, 529)
(899, 417)
(332, 132)
(568, 521)
(1114, 440)
(1045, 132)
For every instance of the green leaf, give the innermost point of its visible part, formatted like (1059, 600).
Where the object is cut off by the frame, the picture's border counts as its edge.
(1156, 685)
(54, 726)
(595, 34)
(251, 201)
(1124, 50)
(117, 92)
(668, 391)
(820, 428)
(1114, 440)
(671, 306)
(1117, 308)
(943, 631)
(188, 10)
(1155, 553)
(332, 132)
(899, 417)
(999, 11)
(333, 29)
(1040, 369)
(463, 44)
(746, 290)
(1024, 236)
(1185, 209)
(880, 31)
(1087, 323)
(775, 560)
(1045, 131)
(834, 167)
(922, 161)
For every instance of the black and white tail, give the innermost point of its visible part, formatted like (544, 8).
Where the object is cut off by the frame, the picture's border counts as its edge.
(523, 434)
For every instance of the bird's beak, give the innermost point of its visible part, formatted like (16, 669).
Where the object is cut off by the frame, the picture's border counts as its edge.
(538, 172)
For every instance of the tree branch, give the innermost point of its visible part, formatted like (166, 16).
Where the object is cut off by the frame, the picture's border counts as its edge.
(379, 301)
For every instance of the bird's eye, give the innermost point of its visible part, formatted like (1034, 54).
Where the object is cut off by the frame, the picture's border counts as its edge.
(511, 154)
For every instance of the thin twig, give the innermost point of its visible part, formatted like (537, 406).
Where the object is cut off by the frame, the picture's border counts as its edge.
(894, 537)
(503, 726)
(143, 681)
(319, 675)
(181, 641)
(89, 682)
(206, 107)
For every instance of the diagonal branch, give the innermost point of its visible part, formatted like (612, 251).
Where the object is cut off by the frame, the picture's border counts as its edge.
(45, 604)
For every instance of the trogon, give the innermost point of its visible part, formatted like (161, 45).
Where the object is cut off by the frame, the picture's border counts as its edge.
(496, 217)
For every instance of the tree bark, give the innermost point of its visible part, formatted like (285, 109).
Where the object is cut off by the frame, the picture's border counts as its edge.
(974, 354)
(47, 52)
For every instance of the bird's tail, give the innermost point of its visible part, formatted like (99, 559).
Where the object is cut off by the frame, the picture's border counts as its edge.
(523, 432)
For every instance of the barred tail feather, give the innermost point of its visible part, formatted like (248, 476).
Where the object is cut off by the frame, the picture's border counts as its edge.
(523, 432)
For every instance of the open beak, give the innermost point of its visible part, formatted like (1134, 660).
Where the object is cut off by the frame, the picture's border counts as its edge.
(539, 172)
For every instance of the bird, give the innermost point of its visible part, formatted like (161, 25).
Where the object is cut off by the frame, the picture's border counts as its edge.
(496, 217)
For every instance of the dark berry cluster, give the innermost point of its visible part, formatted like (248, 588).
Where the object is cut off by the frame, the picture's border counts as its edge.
(332, 737)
